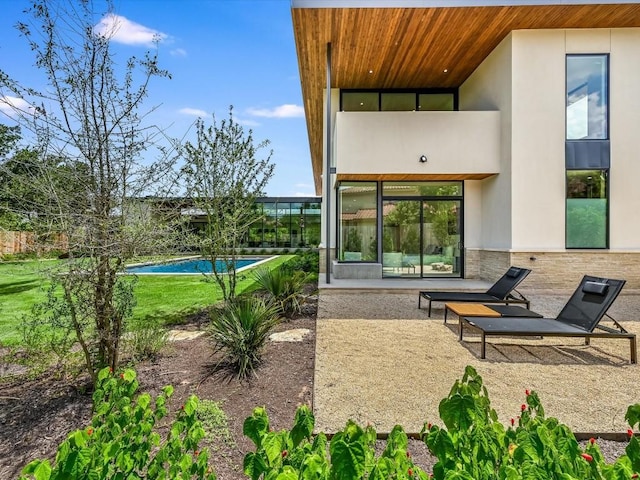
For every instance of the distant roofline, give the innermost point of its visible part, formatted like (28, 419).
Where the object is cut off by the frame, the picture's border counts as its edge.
(441, 3)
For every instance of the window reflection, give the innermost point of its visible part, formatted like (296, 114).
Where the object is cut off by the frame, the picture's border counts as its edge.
(358, 220)
(587, 97)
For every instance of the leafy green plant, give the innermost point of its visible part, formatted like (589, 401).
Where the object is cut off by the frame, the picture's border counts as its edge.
(239, 331)
(215, 423)
(475, 445)
(121, 442)
(284, 289)
(305, 261)
(298, 454)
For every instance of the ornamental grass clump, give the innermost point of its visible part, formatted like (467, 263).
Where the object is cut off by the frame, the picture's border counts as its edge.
(239, 331)
(285, 289)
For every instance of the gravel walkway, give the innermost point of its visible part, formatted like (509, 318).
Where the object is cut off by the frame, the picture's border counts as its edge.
(382, 361)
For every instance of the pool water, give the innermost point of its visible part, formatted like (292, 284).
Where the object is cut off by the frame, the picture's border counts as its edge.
(196, 265)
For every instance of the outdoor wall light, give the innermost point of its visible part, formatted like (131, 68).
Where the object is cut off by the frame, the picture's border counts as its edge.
(423, 159)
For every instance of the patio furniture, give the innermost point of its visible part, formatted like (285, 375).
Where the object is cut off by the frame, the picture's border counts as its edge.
(480, 310)
(501, 292)
(580, 317)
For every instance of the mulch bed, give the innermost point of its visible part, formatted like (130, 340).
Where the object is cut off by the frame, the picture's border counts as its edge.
(37, 414)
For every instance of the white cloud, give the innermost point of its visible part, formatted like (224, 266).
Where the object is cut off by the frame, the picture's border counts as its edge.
(196, 112)
(246, 123)
(122, 30)
(283, 111)
(303, 185)
(178, 52)
(10, 106)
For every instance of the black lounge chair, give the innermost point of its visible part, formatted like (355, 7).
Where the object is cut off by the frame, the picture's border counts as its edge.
(580, 317)
(500, 292)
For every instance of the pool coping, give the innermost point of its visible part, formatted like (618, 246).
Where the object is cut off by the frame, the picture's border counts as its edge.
(193, 257)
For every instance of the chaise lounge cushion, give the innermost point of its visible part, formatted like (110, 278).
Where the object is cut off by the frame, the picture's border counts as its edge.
(595, 288)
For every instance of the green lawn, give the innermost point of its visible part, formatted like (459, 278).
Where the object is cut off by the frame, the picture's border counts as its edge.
(169, 297)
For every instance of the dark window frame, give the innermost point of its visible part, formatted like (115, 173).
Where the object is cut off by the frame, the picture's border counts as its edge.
(416, 91)
(607, 174)
(607, 93)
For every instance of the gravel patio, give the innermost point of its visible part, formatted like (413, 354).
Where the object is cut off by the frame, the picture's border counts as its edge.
(382, 361)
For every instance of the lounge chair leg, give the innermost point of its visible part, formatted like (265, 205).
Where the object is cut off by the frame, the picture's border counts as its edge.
(429, 314)
(483, 346)
(634, 350)
(460, 322)
(419, 300)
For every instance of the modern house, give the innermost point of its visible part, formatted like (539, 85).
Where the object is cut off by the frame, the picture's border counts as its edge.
(453, 138)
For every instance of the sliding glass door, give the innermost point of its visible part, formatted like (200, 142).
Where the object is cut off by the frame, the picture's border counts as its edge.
(441, 239)
(421, 238)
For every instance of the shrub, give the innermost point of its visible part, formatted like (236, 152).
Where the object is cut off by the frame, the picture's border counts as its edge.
(296, 454)
(121, 441)
(473, 446)
(476, 446)
(283, 288)
(239, 331)
(309, 262)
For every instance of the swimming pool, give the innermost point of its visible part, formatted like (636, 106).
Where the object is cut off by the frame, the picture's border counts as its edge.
(192, 266)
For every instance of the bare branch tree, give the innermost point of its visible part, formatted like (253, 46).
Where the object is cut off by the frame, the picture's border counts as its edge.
(223, 177)
(89, 133)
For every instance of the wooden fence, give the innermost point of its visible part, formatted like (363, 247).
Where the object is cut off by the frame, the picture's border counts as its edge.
(28, 242)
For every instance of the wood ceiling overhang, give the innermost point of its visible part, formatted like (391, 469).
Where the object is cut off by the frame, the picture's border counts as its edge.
(411, 47)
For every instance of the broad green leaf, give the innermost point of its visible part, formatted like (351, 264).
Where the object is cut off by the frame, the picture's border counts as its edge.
(129, 375)
(103, 374)
(256, 426)
(457, 412)
(314, 467)
(633, 415)
(42, 471)
(347, 459)
(383, 470)
(458, 475)
(288, 473)
(254, 465)
(303, 425)
(144, 400)
(191, 405)
(274, 444)
(397, 440)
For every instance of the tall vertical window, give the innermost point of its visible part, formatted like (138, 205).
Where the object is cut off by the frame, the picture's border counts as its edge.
(587, 97)
(358, 220)
(587, 209)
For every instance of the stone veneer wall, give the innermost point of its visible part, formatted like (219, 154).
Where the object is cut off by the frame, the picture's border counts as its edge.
(559, 271)
(563, 270)
(323, 258)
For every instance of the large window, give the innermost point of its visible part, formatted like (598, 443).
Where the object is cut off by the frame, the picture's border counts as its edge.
(587, 209)
(587, 97)
(357, 224)
(279, 223)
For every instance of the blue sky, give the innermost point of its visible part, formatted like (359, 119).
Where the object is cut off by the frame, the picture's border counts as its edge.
(219, 53)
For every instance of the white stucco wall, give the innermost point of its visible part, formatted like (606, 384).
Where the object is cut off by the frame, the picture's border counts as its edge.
(624, 118)
(392, 142)
(489, 88)
(538, 140)
(523, 208)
